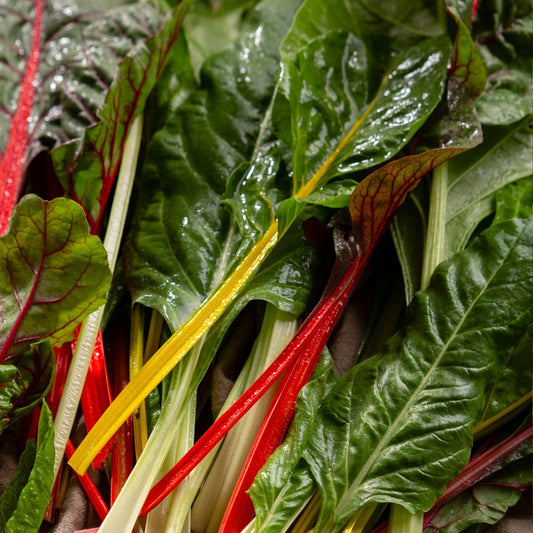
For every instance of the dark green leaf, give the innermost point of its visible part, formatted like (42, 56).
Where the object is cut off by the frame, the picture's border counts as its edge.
(79, 51)
(52, 274)
(428, 387)
(24, 383)
(339, 120)
(23, 503)
(184, 240)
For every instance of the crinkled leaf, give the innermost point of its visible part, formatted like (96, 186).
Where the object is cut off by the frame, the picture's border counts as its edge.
(486, 502)
(503, 32)
(23, 503)
(87, 169)
(184, 241)
(24, 383)
(57, 60)
(427, 388)
(340, 119)
(52, 274)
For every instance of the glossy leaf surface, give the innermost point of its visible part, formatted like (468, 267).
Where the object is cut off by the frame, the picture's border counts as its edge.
(24, 382)
(427, 387)
(52, 274)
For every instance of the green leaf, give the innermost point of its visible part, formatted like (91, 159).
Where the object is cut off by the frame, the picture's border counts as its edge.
(87, 169)
(341, 119)
(427, 388)
(503, 32)
(52, 274)
(515, 200)
(486, 502)
(79, 49)
(184, 239)
(24, 383)
(23, 503)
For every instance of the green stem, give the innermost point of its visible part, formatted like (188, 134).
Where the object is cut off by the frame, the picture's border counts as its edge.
(435, 236)
(70, 398)
(277, 330)
(402, 521)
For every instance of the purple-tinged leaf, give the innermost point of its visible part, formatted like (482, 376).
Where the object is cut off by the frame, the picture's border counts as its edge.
(52, 274)
(56, 63)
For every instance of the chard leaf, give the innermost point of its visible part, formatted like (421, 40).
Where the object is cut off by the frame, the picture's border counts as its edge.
(52, 274)
(57, 59)
(503, 32)
(515, 200)
(23, 503)
(24, 382)
(340, 121)
(87, 168)
(428, 385)
(486, 502)
(184, 242)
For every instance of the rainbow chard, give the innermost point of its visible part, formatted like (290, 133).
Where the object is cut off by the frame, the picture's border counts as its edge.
(224, 214)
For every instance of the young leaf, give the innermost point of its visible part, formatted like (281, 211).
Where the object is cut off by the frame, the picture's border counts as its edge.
(24, 383)
(428, 386)
(57, 60)
(24, 501)
(503, 33)
(52, 274)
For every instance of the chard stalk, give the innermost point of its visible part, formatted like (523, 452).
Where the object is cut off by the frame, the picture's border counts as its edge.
(402, 521)
(435, 236)
(277, 330)
(70, 398)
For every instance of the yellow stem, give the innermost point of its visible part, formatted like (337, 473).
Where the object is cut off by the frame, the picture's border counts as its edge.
(166, 358)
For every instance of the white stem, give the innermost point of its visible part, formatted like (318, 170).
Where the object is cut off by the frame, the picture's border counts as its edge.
(81, 358)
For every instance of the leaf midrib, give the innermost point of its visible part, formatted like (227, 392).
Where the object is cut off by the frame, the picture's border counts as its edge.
(394, 426)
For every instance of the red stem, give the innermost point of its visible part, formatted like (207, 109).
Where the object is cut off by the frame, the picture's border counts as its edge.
(240, 509)
(13, 160)
(96, 394)
(318, 320)
(122, 451)
(89, 487)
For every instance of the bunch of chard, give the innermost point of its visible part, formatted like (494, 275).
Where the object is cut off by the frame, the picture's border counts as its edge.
(201, 204)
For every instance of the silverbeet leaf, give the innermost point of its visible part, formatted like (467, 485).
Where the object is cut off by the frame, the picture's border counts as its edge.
(24, 382)
(425, 391)
(53, 273)
(23, 503)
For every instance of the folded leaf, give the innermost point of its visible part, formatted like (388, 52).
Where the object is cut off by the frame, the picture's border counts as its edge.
(23, 385)
(52, 274)
(428, 387)
(24, 501)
